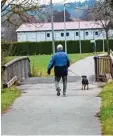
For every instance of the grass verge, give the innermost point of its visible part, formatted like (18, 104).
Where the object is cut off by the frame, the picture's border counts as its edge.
(8, 95)
(106, 113)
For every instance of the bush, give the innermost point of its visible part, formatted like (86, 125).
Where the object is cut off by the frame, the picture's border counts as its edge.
(35, 48)
(5, 51)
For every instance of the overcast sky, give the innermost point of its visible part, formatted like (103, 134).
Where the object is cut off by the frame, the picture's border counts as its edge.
(58, 1)
(43, 1)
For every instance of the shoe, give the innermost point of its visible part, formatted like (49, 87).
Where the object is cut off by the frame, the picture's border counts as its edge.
(58, 93)
(64, 94)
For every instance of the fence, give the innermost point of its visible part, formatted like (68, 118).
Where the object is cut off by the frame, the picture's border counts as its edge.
(103, 68)
(16, 70)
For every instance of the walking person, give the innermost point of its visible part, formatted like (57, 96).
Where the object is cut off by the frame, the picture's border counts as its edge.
(60, 62)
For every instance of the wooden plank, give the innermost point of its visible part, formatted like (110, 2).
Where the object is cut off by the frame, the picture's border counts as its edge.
(11, 82)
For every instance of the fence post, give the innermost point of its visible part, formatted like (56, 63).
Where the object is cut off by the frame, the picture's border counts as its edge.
(111, 66)
(5, 80)
(96, 67)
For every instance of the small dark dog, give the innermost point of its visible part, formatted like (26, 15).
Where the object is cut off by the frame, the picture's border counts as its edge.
(85, 82)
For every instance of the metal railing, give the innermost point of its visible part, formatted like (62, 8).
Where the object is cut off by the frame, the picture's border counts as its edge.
(16, 70)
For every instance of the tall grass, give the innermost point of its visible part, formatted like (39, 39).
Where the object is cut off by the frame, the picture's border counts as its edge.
(106, 114)
(8, 95)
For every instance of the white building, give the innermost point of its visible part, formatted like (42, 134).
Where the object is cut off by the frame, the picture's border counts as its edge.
(42, 32)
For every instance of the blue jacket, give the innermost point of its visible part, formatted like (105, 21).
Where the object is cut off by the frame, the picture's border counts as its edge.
(60, 61)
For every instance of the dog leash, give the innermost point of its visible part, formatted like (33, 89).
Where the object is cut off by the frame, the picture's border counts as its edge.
(73, 72)
(93, 82)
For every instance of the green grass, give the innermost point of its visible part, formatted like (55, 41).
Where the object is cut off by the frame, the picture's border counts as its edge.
(106, 113)
(39, 63)
(8, 95)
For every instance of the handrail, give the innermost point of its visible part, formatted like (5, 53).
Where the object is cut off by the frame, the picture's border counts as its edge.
(16, 70)
(15, 60)
(103, 68)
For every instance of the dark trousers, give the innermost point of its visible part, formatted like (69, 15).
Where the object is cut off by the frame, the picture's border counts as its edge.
(64, 80)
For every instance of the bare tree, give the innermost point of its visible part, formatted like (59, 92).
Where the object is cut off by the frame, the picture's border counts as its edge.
(8, 32)
(26, 10)
(16, 12)
(110, 2)
(102, 13)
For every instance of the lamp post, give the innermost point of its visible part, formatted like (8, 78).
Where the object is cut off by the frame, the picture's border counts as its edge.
(52, 27)
(95, 46)
(65, 28)
(79, 38)
(103, 44)
(65, 25)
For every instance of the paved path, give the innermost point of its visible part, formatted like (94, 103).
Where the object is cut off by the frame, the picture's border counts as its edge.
(40, 111)
(82, 67)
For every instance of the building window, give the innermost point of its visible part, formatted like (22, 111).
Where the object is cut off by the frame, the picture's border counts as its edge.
(62, 34)
(67, 34)
(48, 34)
(77, 33)
(96, 33)
(86, 33)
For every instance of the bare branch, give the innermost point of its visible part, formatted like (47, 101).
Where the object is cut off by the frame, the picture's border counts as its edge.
(26, 9)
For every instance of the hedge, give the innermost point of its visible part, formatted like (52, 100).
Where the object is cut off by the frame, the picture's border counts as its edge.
(31, 48)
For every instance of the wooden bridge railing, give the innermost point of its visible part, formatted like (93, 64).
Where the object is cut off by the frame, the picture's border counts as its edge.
(16, 70)
(103, 68)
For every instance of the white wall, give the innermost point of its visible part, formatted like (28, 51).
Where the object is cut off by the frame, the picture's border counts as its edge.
(100, 34)
(59, 37)
(42, 36)
(111, 34)
(71, 35)
(76, 37)
(21, 36)
(89, 36)
(31, 36)
(48, 38)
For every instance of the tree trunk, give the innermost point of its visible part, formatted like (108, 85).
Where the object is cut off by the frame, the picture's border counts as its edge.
(107, 41)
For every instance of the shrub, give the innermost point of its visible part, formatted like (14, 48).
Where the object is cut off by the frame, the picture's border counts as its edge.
(35, 48)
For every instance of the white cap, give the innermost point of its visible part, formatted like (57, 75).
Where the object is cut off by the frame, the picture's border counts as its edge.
(59, 47)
